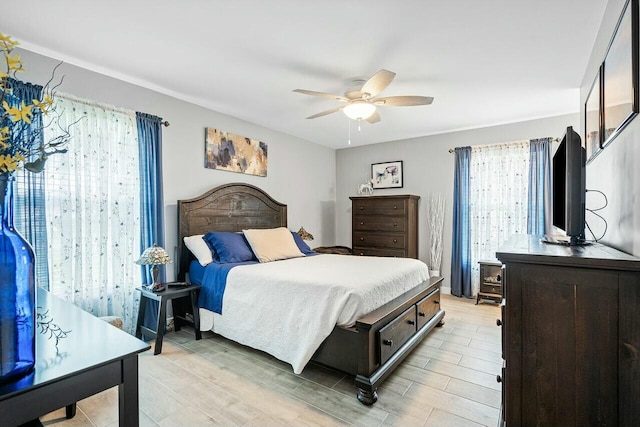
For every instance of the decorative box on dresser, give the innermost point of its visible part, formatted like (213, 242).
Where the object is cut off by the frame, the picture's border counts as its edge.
(385, 225)
(570, 335)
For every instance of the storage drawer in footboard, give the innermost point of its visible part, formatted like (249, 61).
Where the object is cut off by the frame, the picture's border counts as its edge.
(396, 333)
(428, 307)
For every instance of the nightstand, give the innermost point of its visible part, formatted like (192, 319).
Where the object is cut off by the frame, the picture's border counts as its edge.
(178, 294)
(490, 281)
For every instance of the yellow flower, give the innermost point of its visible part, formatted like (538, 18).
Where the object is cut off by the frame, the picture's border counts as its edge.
(23, 113)
(7, 43)
(44, 104)
(9, 163)
(14, 63)
(4, 136)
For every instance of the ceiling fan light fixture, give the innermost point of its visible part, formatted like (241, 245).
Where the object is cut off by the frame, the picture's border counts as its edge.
(359, 110)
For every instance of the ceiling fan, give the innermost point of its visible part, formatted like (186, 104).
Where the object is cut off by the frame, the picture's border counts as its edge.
(361, 103)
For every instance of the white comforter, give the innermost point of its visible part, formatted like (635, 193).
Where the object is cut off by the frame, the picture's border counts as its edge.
(287, 308)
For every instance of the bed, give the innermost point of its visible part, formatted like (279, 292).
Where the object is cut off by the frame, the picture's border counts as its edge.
(371, 346)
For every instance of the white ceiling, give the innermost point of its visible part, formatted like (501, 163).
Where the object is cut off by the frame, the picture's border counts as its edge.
(486, 62)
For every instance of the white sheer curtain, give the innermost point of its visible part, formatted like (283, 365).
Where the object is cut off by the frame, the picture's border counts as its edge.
(499, 176)
(93, 210)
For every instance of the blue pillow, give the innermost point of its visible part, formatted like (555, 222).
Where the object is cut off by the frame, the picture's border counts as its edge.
(304, 248)
(214, 254)
(230, 247)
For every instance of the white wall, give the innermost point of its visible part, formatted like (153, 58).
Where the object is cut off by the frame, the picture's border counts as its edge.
(615, 170)
(300, 174)
(428, 168)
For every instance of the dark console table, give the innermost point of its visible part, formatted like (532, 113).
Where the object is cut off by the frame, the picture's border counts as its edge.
(95, 356)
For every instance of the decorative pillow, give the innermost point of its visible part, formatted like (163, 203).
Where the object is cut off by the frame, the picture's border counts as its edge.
(230, 247)
(272, 244)
(199, 249)
(304, 248)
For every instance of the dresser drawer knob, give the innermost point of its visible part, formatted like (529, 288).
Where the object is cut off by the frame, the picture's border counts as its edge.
(411, 322)
(387, 342)
(422, 314)
(435, 301)
(361, 208)
(395, 240)
(498, 322)
(395, 207)
(361, 223)
(362, 239)
(498, 378)
(361, 254)
(395, 224)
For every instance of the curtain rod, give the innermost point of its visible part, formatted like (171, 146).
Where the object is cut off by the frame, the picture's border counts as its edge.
(452, 150)
(164, 123)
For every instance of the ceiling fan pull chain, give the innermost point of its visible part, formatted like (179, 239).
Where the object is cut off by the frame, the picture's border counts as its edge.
(349, 121)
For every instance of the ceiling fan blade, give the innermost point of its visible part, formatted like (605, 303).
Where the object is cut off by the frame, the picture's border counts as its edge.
(324, 113)
(377, 83)
(374, 118)
(403, 101)
(321, 94)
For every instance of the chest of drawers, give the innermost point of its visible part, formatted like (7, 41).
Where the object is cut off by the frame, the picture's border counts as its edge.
(385, 225)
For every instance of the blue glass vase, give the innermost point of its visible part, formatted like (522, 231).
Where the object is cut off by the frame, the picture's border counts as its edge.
(17, 293)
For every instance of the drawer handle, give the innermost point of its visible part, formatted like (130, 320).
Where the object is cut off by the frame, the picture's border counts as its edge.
(362, 223)
(498, 322)
(395, 207)
(395, 224)
(361, 208)
(362, 238)
(411, 322)
(387, 342)
(498, 378)
(436, 301)
(395, 240)
(422, 314)
(361, 253)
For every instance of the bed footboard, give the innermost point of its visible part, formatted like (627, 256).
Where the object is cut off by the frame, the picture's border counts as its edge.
(380, 340)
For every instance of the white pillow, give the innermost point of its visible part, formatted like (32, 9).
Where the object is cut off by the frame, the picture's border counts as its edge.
(199, 249)
(272, 244)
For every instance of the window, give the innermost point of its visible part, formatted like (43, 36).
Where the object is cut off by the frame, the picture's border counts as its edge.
(92, 198)
(498, 203)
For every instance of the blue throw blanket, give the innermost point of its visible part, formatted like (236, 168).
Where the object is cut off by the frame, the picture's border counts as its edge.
(213, 279)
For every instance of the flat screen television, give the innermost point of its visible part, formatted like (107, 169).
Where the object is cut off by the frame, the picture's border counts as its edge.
(568, 189)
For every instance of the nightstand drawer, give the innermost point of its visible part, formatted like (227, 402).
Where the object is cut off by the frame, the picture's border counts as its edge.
(378, 239)
(378, 223)
(380, 207)
(491, 288)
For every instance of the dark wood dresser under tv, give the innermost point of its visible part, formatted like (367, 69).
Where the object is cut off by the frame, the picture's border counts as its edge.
(570, 335)
(385, 225)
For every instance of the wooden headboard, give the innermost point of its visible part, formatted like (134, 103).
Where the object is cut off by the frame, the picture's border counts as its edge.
(230, 207)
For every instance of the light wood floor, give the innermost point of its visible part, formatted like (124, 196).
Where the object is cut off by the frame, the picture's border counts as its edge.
(449, 380)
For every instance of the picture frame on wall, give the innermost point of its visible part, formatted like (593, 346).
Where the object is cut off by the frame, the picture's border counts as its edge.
(593, 118)
(620, 76)
(387, 174)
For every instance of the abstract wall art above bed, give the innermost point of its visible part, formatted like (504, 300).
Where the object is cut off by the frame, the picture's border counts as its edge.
(234, 153)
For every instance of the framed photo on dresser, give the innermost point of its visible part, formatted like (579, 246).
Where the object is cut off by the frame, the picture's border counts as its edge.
(387, 174)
